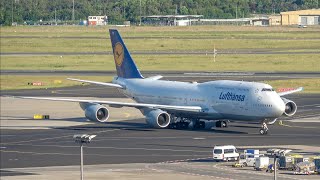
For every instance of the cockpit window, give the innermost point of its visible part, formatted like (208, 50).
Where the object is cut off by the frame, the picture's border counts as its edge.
(267, 89)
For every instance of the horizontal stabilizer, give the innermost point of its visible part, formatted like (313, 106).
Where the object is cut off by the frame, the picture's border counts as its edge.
(155, 77)
(99, 83)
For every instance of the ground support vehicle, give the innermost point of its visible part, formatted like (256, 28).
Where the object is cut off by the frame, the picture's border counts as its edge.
(304, 168)
(261, 163)
(317, 165)
(225, 153)
(247, 160)
(288, 162)
(237, 165)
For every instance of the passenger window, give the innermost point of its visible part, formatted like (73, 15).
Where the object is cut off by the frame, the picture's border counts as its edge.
(227, 151)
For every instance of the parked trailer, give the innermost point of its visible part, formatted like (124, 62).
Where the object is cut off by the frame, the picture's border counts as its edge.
(317, 165)
(304, 168)
(261, 163)
(289, 162)
(249, 157)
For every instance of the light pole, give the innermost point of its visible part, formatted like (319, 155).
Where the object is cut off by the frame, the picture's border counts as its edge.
(82, 138)
(55, 16)
(140, 13)
(72, 11)
(12, 13)
(275, 167)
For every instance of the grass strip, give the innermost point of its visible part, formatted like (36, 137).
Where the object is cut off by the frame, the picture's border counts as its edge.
(240, 62)
(102, 45)
(309, 85)
(167, 31)
(13, 82)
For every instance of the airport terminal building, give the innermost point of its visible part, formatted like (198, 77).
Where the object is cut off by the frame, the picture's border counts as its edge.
(302, 17)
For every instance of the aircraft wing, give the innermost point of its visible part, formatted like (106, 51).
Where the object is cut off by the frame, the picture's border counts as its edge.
(119, 104)
(290, 92)
(99, 83)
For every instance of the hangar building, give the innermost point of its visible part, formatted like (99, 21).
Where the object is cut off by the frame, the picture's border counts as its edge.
(302, 17)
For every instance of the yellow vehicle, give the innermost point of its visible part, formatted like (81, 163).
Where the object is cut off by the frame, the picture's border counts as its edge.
(237, 165)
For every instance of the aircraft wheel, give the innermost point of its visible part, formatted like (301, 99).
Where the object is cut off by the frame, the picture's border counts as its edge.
(263, 131)
(224, 124)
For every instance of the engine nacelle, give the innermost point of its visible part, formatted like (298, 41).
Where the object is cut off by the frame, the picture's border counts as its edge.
(95, 112)
(158, 118)
(290, 107)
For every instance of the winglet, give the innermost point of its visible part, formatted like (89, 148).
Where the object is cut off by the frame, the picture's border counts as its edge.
(290, 92)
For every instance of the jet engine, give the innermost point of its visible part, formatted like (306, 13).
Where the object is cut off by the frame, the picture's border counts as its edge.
(95, 112)
(290, 107)
(158, 118)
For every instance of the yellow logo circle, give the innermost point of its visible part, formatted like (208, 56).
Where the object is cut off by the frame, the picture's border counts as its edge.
(118, 54)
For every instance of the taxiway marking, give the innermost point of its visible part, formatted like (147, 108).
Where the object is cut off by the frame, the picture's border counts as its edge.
(286, 125)
(59, 137)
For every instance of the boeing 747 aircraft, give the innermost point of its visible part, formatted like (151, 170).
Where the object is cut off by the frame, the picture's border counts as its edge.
(183, 104)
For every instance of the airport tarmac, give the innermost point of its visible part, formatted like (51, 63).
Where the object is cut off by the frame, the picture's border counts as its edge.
(44, 148)
(126, 148)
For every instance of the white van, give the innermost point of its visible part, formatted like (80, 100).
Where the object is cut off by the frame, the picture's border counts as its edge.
(225, 153)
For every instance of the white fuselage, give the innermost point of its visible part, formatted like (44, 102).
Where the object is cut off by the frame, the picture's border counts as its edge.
(224, 99)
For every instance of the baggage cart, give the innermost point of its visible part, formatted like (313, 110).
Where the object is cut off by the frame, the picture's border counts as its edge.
(305, 168)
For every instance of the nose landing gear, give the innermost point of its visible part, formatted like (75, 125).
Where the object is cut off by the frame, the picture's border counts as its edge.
(264, 129)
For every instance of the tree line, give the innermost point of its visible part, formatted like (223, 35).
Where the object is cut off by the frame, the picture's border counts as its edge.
(130, 10)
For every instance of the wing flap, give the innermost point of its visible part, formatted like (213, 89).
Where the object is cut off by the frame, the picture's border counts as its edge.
(119, 104)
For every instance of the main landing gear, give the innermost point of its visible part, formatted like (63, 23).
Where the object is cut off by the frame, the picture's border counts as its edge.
(264, 128)
(185, 123)
(222, 124)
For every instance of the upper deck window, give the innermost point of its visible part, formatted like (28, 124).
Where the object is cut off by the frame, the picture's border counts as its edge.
(267, 89)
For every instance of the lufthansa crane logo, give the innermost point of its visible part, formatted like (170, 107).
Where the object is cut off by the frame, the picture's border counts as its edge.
(118, 54)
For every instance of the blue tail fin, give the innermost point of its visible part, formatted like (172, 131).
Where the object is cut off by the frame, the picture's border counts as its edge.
(126, 68)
